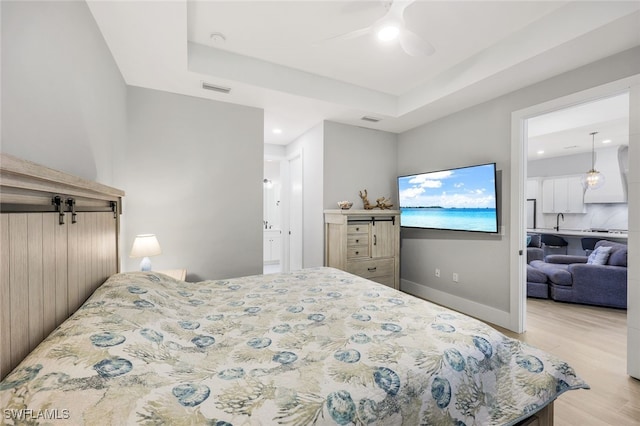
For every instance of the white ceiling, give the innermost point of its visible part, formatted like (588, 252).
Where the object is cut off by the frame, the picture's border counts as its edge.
(277, 57)
(568, 131)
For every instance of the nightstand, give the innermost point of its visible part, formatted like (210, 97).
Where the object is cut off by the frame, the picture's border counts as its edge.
(178, 274)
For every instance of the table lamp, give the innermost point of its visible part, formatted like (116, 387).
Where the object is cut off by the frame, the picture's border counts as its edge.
(145, 245)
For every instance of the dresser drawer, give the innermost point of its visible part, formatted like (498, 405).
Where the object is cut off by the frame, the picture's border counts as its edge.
(357, 251)
(361, 228)
(357, 239)
(371, 268)
(387, 280)
(358, 242)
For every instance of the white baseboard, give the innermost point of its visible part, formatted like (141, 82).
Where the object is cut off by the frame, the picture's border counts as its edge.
(633, 360)
(468, 307)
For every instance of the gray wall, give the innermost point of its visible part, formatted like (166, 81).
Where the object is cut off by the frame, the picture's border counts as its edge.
(193, 170)
(63, 97)
(339, 160)
(474, 136)
(480, 134)
(356, 158)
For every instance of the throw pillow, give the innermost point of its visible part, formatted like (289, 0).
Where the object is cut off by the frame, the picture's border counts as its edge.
(599, 256)
(528, 240)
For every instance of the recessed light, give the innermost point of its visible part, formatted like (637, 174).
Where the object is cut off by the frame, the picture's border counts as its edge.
(540, 152)
(277, 131)
(217, 38)
(606, 141)
(388, 33)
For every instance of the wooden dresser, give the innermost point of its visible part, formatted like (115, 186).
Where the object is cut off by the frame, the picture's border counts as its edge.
(365, 243)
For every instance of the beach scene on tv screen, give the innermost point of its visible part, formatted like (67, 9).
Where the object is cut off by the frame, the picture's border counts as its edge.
(458, 199)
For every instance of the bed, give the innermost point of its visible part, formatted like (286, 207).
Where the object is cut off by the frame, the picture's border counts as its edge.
(81, 343)
(318, 346)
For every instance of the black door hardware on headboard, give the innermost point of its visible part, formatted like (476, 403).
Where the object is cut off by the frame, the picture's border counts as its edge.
(72, 207)
(57, 201)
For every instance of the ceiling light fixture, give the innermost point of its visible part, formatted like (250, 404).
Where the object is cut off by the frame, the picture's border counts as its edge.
(593, 179)
(388, 33)
(540, 152)
(277, 131)
(391, 27)
(606, 141)
(217, 38)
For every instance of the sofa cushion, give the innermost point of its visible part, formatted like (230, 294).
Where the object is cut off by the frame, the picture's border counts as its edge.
(565, 259)
(599, 256)
(534, 253)
(618, 256)
(557, 273)
(535, 275)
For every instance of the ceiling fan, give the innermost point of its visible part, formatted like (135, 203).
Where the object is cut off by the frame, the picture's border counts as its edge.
(392, 27)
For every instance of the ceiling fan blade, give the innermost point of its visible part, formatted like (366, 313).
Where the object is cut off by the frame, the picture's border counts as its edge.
(357, 6)
(397, 7)
(349, 35)
(414, 45)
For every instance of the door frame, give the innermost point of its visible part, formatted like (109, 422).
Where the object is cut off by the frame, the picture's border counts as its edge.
(518, 174)
(287, 183)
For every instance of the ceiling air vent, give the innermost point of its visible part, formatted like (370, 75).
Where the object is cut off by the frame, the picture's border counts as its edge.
(370, 119)
(215, 88)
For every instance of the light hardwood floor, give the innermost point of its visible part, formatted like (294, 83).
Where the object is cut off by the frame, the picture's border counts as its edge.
(594, 341)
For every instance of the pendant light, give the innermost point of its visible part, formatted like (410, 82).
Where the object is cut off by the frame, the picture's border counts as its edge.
(593, 179)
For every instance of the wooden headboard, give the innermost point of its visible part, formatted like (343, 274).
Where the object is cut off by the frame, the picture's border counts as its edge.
(58, 243)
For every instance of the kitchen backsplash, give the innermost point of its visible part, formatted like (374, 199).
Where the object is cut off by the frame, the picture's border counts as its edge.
(603, 216)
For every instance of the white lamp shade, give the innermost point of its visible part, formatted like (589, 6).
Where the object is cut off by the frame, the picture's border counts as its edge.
(145, 245)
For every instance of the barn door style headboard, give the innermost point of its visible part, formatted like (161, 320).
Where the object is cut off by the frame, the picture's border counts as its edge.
(58, 243)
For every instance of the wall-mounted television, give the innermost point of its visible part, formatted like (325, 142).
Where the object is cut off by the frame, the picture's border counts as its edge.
(460, 199)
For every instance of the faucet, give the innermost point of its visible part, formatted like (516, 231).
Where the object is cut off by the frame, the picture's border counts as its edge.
(557, 227)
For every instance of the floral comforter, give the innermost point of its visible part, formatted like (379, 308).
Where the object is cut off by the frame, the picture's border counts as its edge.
(319, 346)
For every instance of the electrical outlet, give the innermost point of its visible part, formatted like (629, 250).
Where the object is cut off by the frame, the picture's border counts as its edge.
(438, 272)
(455, 277)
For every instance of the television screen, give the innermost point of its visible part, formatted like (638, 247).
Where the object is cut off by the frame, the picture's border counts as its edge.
(461, 199)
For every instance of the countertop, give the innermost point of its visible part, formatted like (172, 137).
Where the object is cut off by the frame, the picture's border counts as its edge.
(582, 233)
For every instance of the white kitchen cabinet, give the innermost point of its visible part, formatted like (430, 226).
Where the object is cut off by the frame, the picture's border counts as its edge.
(533, 188)
(563, 194)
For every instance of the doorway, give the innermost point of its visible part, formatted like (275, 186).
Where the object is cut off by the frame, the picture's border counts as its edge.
(272, 223)
(283, 212)
(561, 146)
(629, 85)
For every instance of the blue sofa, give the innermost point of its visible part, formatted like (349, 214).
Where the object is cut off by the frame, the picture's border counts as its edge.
(537, 285)
(571, 279)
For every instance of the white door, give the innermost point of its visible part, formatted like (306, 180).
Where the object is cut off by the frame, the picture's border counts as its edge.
(295, 213)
